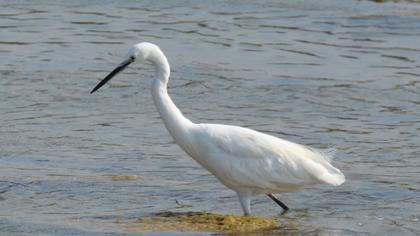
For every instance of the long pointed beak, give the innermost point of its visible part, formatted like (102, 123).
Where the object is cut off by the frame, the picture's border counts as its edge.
(119, 68)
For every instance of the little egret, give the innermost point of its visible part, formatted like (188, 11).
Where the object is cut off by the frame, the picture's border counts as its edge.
(246, 161)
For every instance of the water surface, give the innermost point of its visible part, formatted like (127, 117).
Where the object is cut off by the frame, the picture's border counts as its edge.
(341, 74)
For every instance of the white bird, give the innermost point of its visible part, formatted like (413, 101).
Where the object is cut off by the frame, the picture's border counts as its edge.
(244, 160)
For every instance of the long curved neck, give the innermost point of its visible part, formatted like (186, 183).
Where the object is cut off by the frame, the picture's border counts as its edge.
(172, 117)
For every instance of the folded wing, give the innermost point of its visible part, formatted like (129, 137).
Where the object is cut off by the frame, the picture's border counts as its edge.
(250, 159)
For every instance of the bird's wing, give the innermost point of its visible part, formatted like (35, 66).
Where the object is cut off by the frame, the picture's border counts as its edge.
(248, 157)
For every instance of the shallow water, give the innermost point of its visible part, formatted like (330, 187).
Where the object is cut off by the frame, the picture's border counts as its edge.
(341, 74)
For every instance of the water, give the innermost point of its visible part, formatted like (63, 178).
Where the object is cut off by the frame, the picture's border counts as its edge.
(322, 73)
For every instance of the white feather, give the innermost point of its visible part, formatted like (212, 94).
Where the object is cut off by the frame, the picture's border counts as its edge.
(242, 158)
(245, 160)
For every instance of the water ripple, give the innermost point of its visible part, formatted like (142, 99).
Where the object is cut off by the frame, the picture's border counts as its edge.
(320, 73)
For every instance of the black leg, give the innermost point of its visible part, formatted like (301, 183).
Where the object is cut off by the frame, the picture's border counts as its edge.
(270, 195)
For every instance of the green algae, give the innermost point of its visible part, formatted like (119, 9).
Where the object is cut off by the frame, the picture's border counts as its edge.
(202, 222)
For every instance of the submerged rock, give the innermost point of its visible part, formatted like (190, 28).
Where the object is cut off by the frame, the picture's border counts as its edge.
(202, 222)
(124, 177)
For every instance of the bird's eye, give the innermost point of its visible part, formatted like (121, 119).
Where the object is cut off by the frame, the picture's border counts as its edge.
(132, 58)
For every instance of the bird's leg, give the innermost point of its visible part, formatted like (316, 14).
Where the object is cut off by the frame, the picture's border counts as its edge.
(285, 208)
(245, 202)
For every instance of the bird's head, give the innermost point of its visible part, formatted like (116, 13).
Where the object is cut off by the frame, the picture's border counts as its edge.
(138, 52)
(141, 51)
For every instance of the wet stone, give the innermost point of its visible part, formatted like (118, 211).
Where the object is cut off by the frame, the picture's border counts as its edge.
(202, 222)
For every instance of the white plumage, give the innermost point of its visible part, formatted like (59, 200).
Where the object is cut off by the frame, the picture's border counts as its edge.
(246, 161)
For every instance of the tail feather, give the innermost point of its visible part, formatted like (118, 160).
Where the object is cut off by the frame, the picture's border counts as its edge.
(335, 178)
(322, 170)
(327, 154)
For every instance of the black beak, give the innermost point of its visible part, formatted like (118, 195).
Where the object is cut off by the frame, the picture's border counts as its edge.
(119, 68)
